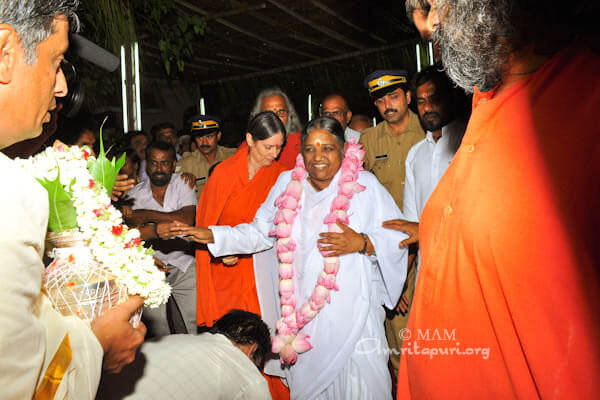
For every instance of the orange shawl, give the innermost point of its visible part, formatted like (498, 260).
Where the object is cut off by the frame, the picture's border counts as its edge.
(229, 199)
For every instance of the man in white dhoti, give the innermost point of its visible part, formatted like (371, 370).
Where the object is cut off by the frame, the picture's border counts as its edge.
(348, 359)
(42, 353)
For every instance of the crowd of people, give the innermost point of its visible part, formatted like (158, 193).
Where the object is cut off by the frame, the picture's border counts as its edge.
(440, 253)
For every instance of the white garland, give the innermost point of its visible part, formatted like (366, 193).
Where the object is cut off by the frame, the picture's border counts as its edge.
(111, 242)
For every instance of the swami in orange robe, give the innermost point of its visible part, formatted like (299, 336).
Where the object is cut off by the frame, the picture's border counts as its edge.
(508, 295)
(229, 198)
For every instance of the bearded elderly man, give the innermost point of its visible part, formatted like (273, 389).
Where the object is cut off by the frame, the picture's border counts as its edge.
(348, 359)
(43, 354)
(276, 100)
(509, 237)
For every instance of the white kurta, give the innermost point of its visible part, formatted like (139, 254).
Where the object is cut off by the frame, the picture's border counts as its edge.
(30, 329)
(349, 355)
(426, 163)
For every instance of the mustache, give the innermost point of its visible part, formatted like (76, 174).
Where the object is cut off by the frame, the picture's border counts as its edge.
(389, 110)
(205, 146)
(431, 114)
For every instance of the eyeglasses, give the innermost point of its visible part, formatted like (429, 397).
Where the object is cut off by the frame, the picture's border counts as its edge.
(280, 113)
(333, 114)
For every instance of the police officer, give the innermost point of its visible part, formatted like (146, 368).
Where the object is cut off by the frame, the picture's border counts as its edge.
(387, 146)
(205, 131)
(388, 143)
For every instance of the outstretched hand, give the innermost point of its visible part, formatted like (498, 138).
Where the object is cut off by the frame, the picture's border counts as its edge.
(408, 227)
(346, 242)
(122, 184)
(118, 338)
(195, 233)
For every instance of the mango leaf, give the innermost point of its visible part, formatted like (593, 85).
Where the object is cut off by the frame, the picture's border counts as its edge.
(104, 171)
(62, 214)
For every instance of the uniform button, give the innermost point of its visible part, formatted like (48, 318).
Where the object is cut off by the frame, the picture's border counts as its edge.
(470, 148)
(448, 211)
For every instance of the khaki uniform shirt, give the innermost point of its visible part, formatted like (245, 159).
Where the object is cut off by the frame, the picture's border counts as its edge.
(386, 153)
(196, 164)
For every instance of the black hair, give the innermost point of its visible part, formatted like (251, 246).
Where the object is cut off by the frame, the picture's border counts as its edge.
(329, 124)
(162, 146)
(159, 127)
(265, 125)
(70, 129)
(131, 134)
(434, 74)
(245, 328)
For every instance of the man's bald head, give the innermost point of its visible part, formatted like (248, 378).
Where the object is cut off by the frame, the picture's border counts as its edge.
(335, 105)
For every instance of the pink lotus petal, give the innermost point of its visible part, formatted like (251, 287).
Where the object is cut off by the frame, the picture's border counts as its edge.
(340, 203)
(288, 300)
(290, 321)
(301, 344)
(320, 295)
(330, 218)
(288, 202)
(286, 287)
(334, 228)
(327, 281)
(332, 265)
(286, 257)
(307, 313)
(315, 306)
(283, 230)
(294, 189)
(288, 354)
(283, 328)
(286, 271)
(287, 310)
(277, 343)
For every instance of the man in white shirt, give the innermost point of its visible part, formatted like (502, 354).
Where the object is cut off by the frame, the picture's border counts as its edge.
(158, 201)
(336, 106)
(43, 354)
(427, 160)
(221, 364)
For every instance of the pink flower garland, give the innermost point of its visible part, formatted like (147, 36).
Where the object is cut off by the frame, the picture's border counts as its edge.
(288, 342)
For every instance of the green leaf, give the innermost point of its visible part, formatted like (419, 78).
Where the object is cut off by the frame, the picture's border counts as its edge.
(104, 171)
(182, 23)
(62, 214)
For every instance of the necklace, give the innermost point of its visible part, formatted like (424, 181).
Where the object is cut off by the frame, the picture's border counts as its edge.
(288, 342)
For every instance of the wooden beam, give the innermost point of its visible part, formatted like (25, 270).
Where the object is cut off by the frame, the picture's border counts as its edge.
(236, 11)
(358, 53)
(294, 35)
(304, 39)
(329, 11)
(196, 60)
(246, 32)
(321, 29)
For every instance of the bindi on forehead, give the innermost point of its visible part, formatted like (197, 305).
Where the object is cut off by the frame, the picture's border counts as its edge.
(318, 142)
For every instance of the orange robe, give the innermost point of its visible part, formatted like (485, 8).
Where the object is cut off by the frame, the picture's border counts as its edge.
(510, 259)
(228, 198)
(290, 151)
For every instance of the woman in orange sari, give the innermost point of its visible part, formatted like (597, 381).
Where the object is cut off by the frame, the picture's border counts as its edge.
(231, 196)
